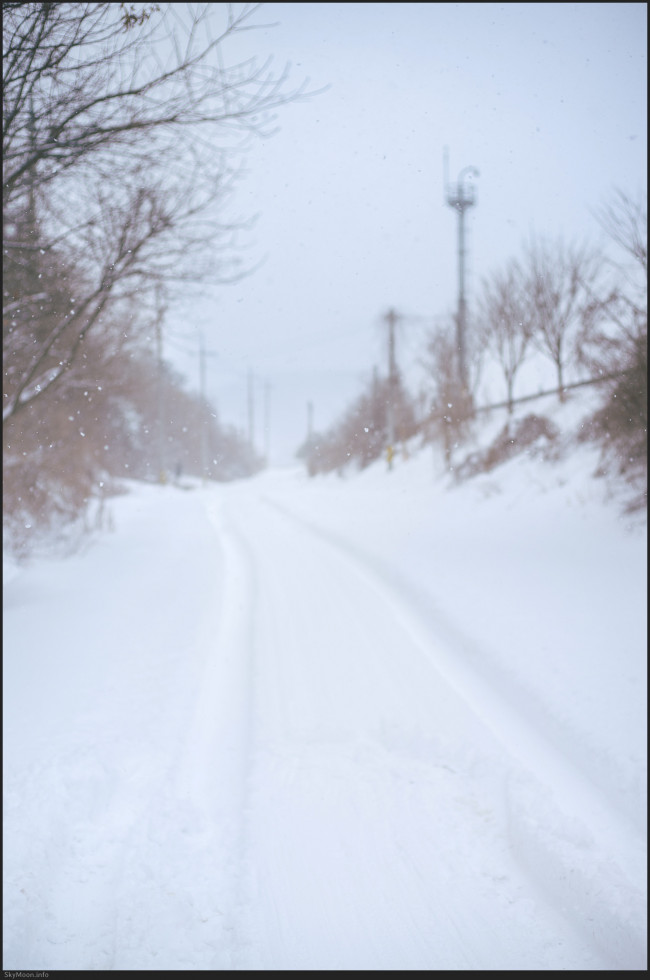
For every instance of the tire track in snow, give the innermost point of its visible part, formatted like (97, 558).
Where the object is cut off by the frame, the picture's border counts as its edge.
(215, 765)
(348, 875)
(136, 861)
(94, 876)
(552, 854)
(171, 892)
(180, 888)
(220, 729)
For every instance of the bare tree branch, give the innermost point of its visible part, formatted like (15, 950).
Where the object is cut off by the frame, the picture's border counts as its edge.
(505, 322)
(560, 279)
(118, 131)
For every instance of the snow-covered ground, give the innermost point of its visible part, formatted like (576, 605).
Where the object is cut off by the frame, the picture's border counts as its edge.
(377, 721)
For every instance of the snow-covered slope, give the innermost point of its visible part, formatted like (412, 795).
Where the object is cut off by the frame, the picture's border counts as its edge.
(377, 720)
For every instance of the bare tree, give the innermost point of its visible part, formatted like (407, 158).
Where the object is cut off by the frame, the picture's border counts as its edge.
(451, 404)
(123, 131)
(117, 134)
(615, 318)
(560, 279)
(505, 322)
(625, 220)
(361, 435)
(614, 343)
(84, 83)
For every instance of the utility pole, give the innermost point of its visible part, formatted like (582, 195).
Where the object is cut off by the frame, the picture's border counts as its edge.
(203, 408)
(203, 421)
(251, 409)
(267, 421)
(162, 474)
(391, 319)
(460, 198)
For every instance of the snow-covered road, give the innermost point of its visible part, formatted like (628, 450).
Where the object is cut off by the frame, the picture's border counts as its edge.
(249, 744)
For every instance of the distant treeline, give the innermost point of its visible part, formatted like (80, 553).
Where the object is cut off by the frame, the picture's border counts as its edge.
(118, 152)
(582, 309)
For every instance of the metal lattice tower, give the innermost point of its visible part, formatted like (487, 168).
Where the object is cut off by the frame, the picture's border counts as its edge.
(460, 197)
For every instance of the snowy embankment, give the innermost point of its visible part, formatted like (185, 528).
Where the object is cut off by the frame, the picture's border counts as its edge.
(364, 722)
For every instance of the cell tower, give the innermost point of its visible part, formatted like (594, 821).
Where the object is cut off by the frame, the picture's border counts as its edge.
(460, 197)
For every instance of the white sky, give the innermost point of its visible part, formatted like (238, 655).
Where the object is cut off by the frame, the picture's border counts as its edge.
(548, 101)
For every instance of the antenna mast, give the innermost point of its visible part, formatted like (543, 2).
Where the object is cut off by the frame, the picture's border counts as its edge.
(460, 197)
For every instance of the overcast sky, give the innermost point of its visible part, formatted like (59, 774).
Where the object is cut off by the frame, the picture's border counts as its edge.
(547, 100)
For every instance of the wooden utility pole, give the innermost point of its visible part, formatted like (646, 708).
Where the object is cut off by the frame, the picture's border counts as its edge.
(391, 319)
(267, 421)
(162, 473)
(251, 410)
(204, 410)
(203, 421)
